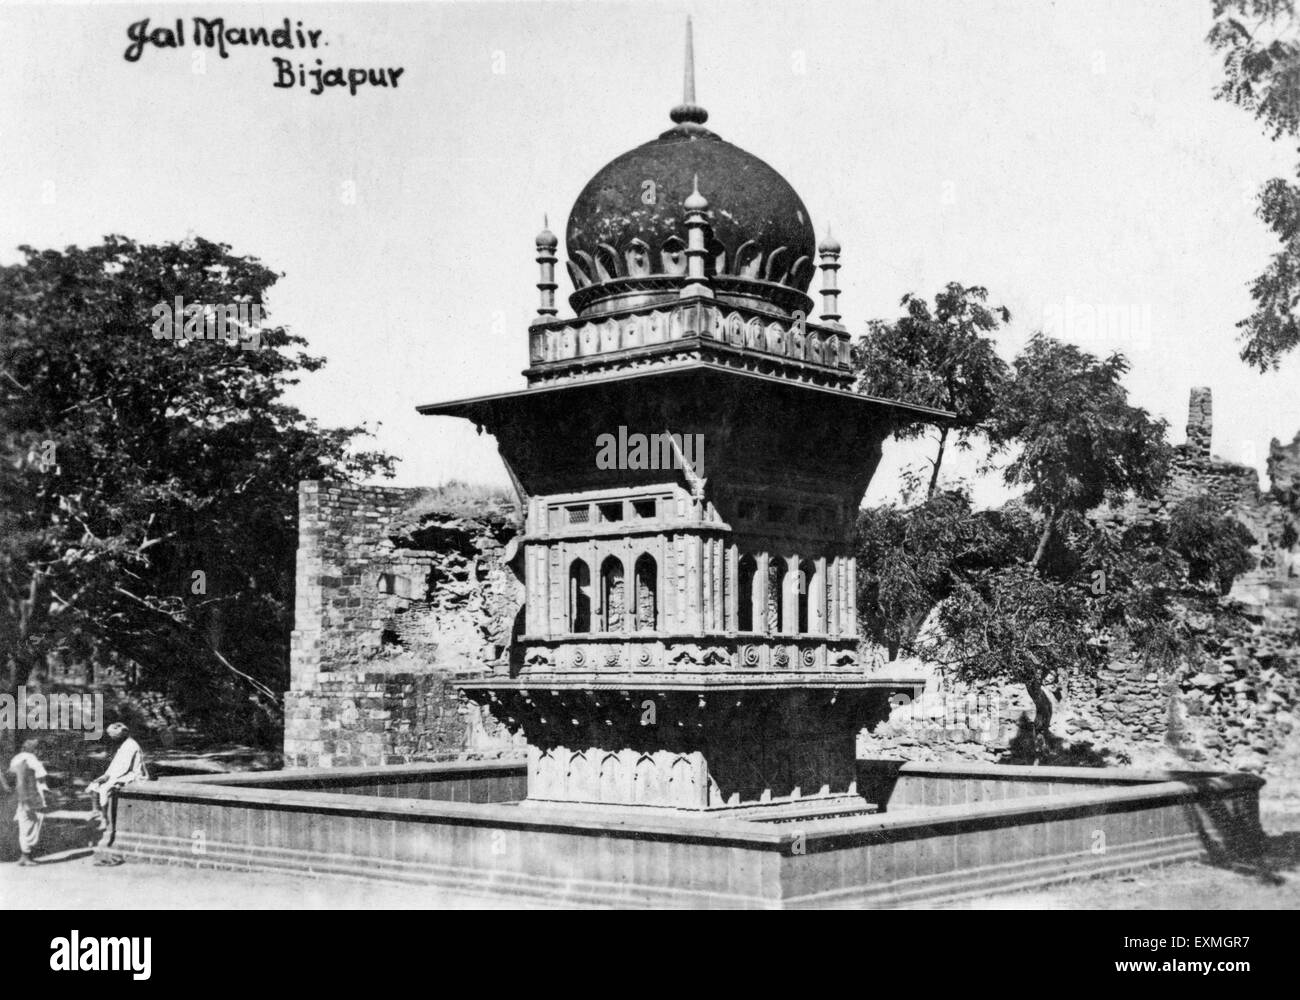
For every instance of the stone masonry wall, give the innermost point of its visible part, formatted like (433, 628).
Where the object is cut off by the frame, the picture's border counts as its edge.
(1271, 516)
(1237, 707)
(399, 593)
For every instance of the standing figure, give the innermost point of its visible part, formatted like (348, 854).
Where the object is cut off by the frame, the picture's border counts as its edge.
(29, 779)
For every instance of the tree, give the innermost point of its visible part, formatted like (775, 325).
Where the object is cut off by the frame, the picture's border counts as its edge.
(1130, 579)
(1080, 441)
(910, 560)
(1215, 546)
(941, 358)
(1261, 63)
(1013, 624)
(148, 487)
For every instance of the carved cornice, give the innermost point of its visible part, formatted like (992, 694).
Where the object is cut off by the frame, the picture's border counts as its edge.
(744, 338)
(727, 658)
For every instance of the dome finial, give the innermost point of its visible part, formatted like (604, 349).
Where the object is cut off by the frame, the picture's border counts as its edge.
(546, 238)
(695, 202)
(688, 110)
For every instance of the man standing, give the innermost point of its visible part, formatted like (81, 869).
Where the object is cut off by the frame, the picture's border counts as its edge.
(7, 836)
(126, 766)
(29, 778)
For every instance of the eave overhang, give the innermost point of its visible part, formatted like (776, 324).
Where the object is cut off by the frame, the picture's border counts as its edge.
(480, 409)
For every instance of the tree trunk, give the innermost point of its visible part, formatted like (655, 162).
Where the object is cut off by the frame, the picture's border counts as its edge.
(938, 461)
(28, 614)
(1042, 716)
(1044, 538)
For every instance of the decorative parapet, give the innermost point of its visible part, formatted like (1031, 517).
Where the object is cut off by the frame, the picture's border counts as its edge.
(620, 659)
(673, 329)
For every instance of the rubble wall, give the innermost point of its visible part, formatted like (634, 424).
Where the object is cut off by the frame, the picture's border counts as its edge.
(399, 593)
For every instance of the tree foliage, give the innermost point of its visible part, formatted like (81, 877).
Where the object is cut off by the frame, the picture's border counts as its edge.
(1045, 589)
(148, 493)
(940, 357)
(1214, 546)
(1015, 624)
(911, 559)
(1079, 441)
(1261, 63)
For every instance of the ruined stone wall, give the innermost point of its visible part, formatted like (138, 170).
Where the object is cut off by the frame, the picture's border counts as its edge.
(1284, 471)
(399, 593)
(1237, 706)
(1271, 516)
(1195, 472)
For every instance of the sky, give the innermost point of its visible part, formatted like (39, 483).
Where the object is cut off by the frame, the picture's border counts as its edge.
(1067, 156)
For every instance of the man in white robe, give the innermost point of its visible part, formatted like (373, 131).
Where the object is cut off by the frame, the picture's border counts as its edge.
(126, 766)
(29, 775)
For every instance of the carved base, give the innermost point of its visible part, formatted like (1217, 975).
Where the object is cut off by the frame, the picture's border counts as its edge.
(717, 750)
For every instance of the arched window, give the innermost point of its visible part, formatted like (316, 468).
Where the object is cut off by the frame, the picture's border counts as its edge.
(776, 572)
(808, 588)
(746, 594)
(647, 594)
(613, 599)
(579, 597)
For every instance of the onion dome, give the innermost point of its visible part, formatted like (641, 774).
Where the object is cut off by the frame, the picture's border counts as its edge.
(626, 235)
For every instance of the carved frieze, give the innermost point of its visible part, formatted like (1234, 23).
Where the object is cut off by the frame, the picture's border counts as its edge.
(652, 656)
(794, 340)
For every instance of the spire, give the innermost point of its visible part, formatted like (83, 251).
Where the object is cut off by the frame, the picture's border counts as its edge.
(546, 243)
(696, 252)
(829, 251)
(688, 110)
(688, 84)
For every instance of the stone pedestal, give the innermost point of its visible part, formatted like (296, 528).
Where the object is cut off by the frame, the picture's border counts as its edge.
(700, 748)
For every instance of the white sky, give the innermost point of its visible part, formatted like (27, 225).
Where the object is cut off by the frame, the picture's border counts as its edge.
(1068, 156)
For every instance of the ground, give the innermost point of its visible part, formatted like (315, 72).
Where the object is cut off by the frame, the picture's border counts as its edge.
(70, 880)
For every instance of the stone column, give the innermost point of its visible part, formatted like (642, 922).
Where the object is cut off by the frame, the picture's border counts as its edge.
(790, 585)
(732, 619)
(817, 611)
(1200, 422)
